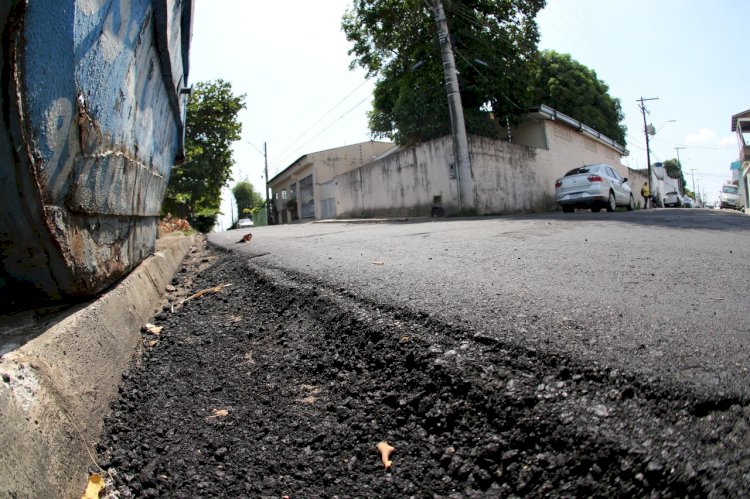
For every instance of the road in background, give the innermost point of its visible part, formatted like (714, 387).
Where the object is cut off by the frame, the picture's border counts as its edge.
(656, 292)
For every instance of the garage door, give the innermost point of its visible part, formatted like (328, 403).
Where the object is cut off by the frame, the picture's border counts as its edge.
(306, 197)
(327, 200)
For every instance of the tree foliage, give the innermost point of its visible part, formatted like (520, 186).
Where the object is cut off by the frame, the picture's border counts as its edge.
(674, 170)
(575, 90)
(248, 201)
(494, 42)
(194, 189)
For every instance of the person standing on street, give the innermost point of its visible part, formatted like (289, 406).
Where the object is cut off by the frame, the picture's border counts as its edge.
(646, 193)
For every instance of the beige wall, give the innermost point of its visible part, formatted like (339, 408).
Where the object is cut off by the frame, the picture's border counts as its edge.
(402, 184)
(506, 177)
(568, 149)
(324, 166)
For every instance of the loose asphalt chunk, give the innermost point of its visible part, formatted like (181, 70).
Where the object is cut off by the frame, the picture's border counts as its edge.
(277, 385)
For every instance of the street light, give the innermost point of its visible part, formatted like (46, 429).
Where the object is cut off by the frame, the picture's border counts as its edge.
(657, 131)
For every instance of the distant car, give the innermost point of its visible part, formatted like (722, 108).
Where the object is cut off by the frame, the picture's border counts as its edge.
(596, 186)
(687, 201)
(672, 199)
(244, 223)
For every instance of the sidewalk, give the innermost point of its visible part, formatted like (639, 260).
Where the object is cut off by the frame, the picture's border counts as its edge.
(57, 388)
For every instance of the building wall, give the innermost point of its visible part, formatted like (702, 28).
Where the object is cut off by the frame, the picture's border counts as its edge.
(402, 184)
(324, 166)
(506, 177)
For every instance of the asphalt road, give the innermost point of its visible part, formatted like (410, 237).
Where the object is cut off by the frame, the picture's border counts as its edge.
(580, 355)
(657, 293)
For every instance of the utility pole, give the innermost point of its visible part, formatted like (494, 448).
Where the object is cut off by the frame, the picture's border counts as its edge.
(646, 131)
(269, 218)
(693, 175)
(455, 108)
(677, 150)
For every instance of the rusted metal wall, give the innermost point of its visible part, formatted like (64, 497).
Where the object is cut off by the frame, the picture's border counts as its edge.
(94, 108)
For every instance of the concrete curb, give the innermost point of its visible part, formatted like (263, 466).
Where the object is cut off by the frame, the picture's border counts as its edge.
(56, 389)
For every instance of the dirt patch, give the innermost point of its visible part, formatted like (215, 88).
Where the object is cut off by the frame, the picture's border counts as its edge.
(279, 385)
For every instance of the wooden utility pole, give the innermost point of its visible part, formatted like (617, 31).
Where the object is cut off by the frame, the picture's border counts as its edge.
(455, 108)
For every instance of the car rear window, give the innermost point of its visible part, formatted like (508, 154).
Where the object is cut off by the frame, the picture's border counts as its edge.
(672, 194)
(583, 169)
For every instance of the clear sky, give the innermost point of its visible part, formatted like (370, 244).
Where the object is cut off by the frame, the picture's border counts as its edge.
(290, 59)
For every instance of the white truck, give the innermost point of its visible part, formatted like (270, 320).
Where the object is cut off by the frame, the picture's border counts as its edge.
(729, 197)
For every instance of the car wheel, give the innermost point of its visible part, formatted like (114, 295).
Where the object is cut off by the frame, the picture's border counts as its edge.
(568, 208)
(631, 204)
(612, 203)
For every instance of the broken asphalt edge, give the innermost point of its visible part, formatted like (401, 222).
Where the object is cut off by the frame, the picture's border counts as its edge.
(56, 389)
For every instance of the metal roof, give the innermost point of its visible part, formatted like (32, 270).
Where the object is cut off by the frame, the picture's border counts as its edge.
(744, 119)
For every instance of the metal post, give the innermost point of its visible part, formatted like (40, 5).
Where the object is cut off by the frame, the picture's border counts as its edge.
(456, 110)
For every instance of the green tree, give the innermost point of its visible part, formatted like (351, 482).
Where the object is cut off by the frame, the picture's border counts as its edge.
(248, 201)
(194, 190)
(396, 41)
(573, 89)
(674, 170)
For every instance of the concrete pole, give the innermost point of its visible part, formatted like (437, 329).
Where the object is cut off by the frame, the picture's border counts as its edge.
(677, 150)
(645, 130)
(456, 110)
(269, 218)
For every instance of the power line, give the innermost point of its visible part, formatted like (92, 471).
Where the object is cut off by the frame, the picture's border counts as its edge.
(338, 120)
(281, 154)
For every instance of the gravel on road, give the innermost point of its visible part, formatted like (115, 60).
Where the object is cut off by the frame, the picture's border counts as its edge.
(272, 384)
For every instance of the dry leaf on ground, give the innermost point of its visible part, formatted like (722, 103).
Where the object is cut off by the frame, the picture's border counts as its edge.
(152, 329)
(215, 289)
(219, 413)
(94, 487)
(385, 453)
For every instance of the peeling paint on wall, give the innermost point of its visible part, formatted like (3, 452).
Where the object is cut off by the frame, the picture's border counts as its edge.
(95, 120)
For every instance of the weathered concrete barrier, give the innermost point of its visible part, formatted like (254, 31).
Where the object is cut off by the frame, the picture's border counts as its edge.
(56, 389)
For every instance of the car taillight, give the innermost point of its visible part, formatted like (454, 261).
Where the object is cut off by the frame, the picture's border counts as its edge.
(595, 178)
(558, 184)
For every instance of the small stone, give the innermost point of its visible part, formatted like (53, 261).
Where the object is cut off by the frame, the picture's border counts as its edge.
(654, 467)
(601, 410)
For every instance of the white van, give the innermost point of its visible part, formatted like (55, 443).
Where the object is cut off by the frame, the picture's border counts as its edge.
(729, 197)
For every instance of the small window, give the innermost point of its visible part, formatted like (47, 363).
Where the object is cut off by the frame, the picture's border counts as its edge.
(452, 170)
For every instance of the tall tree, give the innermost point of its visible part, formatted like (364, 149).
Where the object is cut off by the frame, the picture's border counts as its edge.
(194, 189)
(573, 89)
(674, 170)
(248, 201)
(396, 41)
